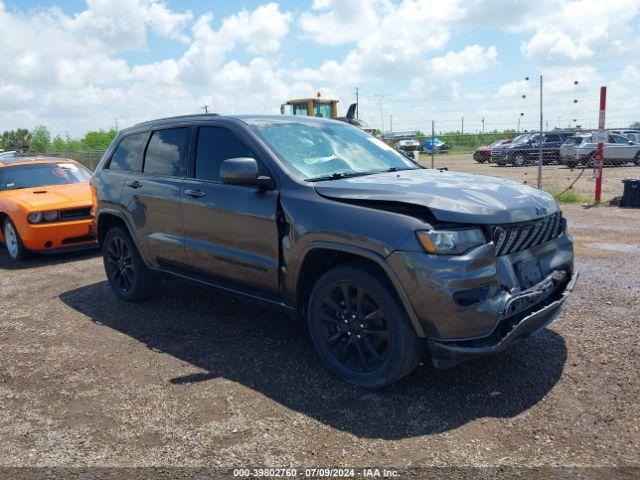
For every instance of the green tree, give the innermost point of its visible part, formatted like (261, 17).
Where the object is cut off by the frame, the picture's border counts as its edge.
(58, 145)
(98, 140)
(40, 140)
(635, 125)
(16, 139)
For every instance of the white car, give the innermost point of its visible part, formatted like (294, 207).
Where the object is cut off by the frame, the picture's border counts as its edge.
(408, 145)
(581, 150)
(8, 154)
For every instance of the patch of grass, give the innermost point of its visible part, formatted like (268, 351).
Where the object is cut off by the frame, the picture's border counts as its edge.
(571, 196)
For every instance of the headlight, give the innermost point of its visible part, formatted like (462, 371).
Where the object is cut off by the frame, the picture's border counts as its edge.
(450, 242)
(35, 217)
(51, 216)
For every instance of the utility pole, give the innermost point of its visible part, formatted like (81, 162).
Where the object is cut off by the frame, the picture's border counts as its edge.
(391, 123)
(462, 125)
(206, 109)
(433, 137)
(357, 102)
(116, 120)
(483, 125)
(540, 140)
(380, 97)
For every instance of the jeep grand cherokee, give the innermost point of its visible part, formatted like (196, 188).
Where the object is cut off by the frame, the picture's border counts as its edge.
(383, 258)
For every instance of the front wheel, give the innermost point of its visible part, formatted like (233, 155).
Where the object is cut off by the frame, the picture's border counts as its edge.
(359, 328)
(128, 276)
(519, 160)
(13, 243)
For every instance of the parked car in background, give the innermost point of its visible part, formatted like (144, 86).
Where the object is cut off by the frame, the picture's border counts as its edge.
(8, 154)
(408, 145)
(483, 153)
(436, 145)
(525, 149)
(581, 150)
(382, 258)
(631, 133)
(45, 206)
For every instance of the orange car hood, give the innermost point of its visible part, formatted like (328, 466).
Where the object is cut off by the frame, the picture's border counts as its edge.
(54, 196)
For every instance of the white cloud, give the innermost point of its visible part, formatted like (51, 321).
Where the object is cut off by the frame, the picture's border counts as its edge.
(342, 21)
(117, 24)
(262, 30)
(579, 31)
(472, 59)
(72, 73)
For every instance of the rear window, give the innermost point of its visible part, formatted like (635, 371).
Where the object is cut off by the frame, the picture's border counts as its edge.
(128, 154)
(166, 151)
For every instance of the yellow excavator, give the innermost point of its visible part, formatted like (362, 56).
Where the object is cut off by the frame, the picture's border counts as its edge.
(322, 107)
(311, 107)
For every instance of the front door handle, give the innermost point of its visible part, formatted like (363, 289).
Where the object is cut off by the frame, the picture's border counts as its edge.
(135, 184)
(195, 193)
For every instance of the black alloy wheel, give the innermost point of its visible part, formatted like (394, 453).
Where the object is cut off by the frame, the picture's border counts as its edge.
(120, 263)
(354, 327)
(360, 328)
(127, 273)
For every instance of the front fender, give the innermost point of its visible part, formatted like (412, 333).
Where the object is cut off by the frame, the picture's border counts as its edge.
(369, 255)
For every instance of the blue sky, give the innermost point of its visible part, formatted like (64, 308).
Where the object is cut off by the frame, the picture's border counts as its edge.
(77, 65)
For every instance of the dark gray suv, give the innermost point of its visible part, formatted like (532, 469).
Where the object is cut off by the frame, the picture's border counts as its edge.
(383, 258)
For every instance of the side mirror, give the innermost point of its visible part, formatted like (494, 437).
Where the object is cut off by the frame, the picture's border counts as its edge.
(243, 171)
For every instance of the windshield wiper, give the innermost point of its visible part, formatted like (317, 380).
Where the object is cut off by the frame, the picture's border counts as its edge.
(397, 169)
(337, 176)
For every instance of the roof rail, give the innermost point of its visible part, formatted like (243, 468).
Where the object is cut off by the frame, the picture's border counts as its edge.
(177, 117)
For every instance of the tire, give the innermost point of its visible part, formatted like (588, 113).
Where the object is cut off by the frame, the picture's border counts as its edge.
(128, 276)
(13, 243)
(369, 342)
(519, 160)
(636, 159)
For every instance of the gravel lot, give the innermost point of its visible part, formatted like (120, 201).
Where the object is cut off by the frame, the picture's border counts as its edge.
(195, 378)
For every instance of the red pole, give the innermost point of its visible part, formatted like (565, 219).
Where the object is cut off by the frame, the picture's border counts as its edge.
(599, 164)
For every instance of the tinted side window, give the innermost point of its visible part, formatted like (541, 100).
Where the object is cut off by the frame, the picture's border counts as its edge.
(216, 144)
(166, 151)
(552, 138)
(128, 154)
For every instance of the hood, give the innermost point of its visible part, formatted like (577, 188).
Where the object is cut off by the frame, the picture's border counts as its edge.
(54, 196)
(450, 196)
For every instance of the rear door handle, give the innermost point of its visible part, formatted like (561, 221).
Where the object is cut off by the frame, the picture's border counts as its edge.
(135, 184)
(195, 193)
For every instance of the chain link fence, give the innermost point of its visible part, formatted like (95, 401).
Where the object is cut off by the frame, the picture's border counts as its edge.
(88, 158)
(568, 159)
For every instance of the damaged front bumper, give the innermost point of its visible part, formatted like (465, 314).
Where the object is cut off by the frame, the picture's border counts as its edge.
(525, 314)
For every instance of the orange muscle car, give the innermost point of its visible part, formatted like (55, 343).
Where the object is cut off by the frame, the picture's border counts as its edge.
(45, 206)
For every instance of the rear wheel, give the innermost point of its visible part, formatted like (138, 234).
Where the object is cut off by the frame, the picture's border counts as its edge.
(128, 276)
(636, 159)
(359, 328)
(13, 243)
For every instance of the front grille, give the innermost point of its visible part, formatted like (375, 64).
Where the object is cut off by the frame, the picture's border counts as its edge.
(515, 238)
(75, 214)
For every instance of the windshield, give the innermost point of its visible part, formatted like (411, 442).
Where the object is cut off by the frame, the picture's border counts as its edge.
(521, 138)
(318, 151)
(41, 174)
